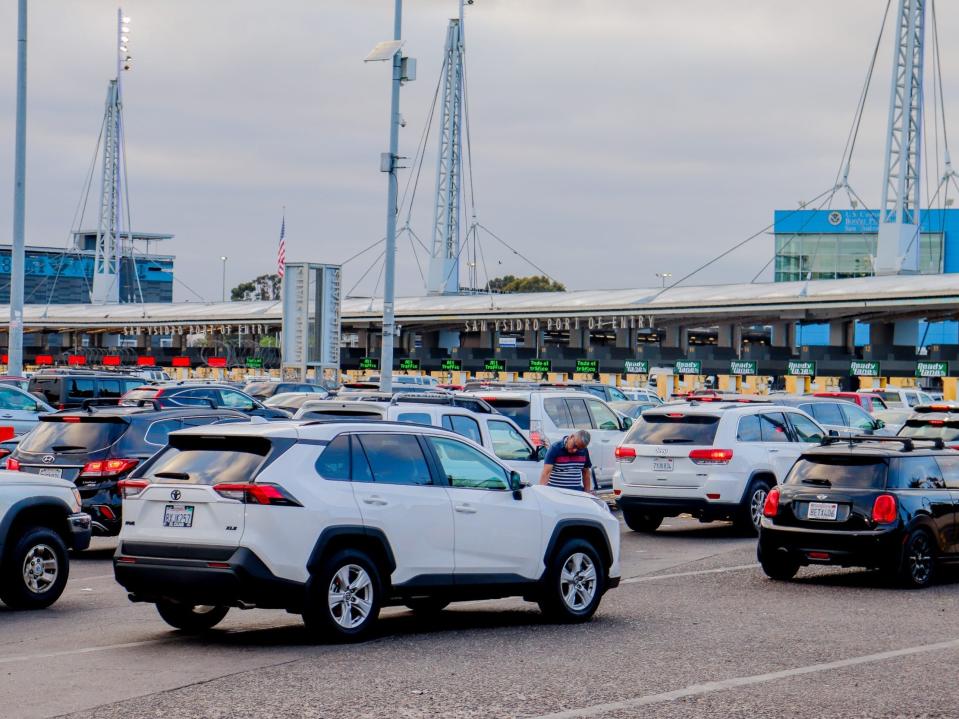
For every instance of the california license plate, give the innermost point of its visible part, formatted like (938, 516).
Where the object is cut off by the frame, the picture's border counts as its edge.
(822, 510)
(178, 516)
(50, 472)
(662, 465)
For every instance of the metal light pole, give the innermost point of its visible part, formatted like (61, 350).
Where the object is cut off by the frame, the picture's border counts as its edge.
(15, 346)
(223, 259)
(664, 276)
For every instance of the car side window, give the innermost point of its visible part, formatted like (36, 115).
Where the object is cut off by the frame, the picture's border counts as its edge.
(949, 466)
(919, 473)
(196, 398)
(415, 418)
(579, 414)
(508, 443)
(110, 388)
(466, 426)
(617, 396)
(236, 400)
(597, 391)
(912, 399)
(603, 417)
(748, 430)
(773, 428)
(828, 413)
(806, 429)
(466, 467)
(158, 433)
(396, 459)
(334, 461)
(558, 412)
(857, 417)
(81, 388)
(10, 399)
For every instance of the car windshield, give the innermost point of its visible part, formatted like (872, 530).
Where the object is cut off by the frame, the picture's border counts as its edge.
(893, 400)
(673, 428)
(58, 436)
(514, 408)
(849, 472)
(946, 430)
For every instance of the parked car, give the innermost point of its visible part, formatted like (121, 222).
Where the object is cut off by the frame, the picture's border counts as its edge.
(902, 397)
(642, 394)
(546, 415)
(337, 520)
(201, 394)
(714, 460)
(633, 408)
(846, 418)
(421, 379)
(96, 447)
(889, 505)
(870, 400)
(21, 382)
(934, 421)
(291, 401)
(265, 390)
(68, 389)
(20, 409)
(894, 419)
(40, 519)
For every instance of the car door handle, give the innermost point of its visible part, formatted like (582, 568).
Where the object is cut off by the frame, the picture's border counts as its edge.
(464, 509)
(773, 450)
(6, 416)
(374, 500)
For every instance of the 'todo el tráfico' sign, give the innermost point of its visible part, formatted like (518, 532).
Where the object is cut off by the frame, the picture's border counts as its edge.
(932, 369)
(587, 366)
(801, 368)
(743, 368)
(694, 367)
(542, 366)
(864, 368)
(636, 367)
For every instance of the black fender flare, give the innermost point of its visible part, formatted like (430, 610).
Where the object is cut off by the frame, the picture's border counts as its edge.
(351, 530)
(17, 508)
(564, 524)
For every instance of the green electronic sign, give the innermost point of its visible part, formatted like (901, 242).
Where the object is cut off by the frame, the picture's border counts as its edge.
(636, 367)
(370, 363)
(587, 366)
(451, 365)
(540, 365)
(743, 368)
(254, 362)
(932, 369)
(494, 365)
(410, 365)
(801, 368)
(688, 367)
(864, 368)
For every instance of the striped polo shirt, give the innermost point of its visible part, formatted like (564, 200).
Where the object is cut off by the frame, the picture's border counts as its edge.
(568, 467)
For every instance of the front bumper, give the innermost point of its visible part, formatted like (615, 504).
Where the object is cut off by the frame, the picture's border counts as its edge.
(80, 530)
(875, 549)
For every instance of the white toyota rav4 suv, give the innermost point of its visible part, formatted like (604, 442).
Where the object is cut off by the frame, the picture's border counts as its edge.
(714, 460)
(335, 520)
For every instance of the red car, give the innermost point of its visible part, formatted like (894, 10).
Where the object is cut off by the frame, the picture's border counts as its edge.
(868, 401)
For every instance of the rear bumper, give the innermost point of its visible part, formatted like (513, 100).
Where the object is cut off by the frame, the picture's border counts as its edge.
(80, 531)
(846, 549)
(674, 506)
(202, 575)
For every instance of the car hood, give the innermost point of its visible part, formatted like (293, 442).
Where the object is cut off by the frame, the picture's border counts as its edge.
(8, 478)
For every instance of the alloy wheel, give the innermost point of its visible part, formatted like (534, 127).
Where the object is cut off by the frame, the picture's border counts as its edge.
(920, 559)
(756, 504)
(40, 568)
(350, 596)
(577, 581)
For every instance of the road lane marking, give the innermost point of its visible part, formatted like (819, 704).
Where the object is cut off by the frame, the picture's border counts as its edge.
(736, 682)
(94, 577)
(83, 650)
(719, 570)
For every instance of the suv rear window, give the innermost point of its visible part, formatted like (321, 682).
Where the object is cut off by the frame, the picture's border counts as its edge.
(849, 472)
(516, 409)
(78, 437)
(947, 430)
(673, 428)
(211, 460)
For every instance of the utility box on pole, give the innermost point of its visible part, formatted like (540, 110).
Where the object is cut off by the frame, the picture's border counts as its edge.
(311, 320)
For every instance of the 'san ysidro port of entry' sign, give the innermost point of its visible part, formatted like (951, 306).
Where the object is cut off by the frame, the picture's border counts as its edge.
(932, 369)
(864, 368)
(451, 365)
(587, 366)
(743, 368)
(543, 366)
(370, 363)
(494, 365)
(636, 367)
(410, 365)
(801, 368)
(688, 367)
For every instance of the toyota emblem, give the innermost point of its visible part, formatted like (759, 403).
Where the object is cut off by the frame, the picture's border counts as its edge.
(175, 495)
(48, 459)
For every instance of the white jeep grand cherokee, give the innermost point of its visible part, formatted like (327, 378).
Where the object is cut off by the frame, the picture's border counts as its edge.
(335, 520)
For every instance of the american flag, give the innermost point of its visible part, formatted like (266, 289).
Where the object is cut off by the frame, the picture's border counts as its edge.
(281, 252)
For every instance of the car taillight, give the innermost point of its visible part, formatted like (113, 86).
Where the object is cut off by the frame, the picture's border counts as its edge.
(130, 488)
(625, 454)
(711, 456)
(257, 494)
(538, 439)
(71, 420)
(771, 507)
(108, 467)
(13, 464)
(884, 509)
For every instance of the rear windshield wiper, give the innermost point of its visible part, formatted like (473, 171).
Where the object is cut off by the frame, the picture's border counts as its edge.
(172, 475)
(676, 440)
(66, 447)
(819, 482)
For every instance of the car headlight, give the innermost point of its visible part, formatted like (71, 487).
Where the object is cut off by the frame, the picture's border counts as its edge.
(602, 503)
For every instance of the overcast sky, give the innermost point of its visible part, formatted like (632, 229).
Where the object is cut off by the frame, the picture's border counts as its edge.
(612, 139)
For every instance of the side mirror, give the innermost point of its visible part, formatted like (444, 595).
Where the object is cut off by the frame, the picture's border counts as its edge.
(516, 484)
(627, 423)
(833, 433)
(879, 424)
(540, 453)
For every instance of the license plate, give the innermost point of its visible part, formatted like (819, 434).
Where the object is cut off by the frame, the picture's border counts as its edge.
(662, 465)
(822, 510)
(50, 472)
(178, 516)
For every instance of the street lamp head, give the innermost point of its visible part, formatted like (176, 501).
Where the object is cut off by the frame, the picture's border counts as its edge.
(224, 258)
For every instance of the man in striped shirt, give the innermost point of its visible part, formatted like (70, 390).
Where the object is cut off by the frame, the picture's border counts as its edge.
(567, 463)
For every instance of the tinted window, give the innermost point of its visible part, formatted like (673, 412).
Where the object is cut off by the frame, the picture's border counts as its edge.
(749, 429)
(415, 417)
(508, 444)
(158, 433)
(9, 399)
(49, 388)
(806, 429)
(603, 417)
(616, 395)
(197, 398)
(918, 473)
(828, 413)
(773, 427)
(466, 426)
(78, 389)
(466, 467)
(334, 462)
(839, 471)
(673, 428)
(396, 459)
(949, 466)
(360, 470)
(597, 391)
(516, 409)
(203, 460)
(892, 399)
(579, 414)
(77, 437)
(110, 388)
(557, 412)
(236, 400)
(857, 417)
(947, 430)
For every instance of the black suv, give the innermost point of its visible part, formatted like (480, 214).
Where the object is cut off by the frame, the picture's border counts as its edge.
(888, 503)
(200, 394)
(69, 389)
(96, 447)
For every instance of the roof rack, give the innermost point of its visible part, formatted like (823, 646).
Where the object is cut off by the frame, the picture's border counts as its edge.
(377, 422)
(446, 399)
(908, 443)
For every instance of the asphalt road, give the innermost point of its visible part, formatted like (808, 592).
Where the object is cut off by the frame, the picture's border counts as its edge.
(696, 630)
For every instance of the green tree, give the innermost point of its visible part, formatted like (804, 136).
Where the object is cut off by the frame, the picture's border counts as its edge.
(264, 287)
(535, 283)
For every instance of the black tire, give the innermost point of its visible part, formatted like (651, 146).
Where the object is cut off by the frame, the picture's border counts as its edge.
(191, 618)
(751, 509)
(566, 601)
(917, 567)
(642, 521)
(35, 570)
(778, 565)
(353, 617)
(427, 605)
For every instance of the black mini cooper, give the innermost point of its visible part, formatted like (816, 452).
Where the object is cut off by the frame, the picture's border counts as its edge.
(889, 503)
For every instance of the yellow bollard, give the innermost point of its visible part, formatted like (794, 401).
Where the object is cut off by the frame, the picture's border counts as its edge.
(949, 388)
